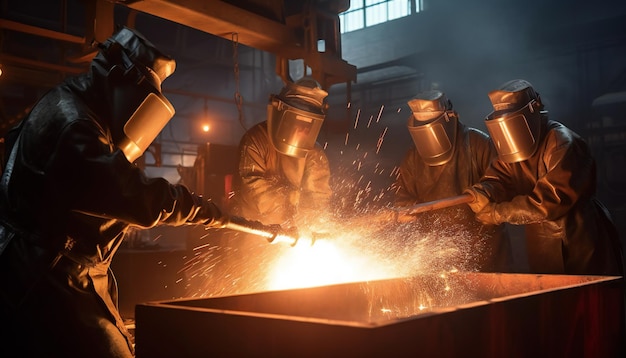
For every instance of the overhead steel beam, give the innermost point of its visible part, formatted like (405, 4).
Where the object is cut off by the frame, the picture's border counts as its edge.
(38, 31)
(225, 20)
(222, 19)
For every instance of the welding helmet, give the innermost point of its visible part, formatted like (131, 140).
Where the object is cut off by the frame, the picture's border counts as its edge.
(433, 126)
(134, 70)
(295, 117)
(515, 123)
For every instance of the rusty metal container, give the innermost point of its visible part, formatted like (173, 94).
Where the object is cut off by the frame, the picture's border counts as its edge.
(452, 315)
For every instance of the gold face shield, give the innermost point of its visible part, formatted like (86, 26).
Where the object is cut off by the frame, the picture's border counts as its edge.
(433, 137)
(515, 134)
(292, 131)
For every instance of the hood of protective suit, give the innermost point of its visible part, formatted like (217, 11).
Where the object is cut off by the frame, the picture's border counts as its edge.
(132, 70)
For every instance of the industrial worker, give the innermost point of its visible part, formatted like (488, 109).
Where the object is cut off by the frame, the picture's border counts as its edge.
(284, 174)
(70, 191)
(446, 158)
(545, 179)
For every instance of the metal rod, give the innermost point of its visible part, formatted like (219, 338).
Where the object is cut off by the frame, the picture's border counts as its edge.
(436, 204)
(273, 233)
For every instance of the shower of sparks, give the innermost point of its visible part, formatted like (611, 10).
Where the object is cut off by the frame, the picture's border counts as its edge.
(380, 140)
(202, 246)
(204, 236)
(356, 120)
(380, 113)
(360, 251)
(357, 254)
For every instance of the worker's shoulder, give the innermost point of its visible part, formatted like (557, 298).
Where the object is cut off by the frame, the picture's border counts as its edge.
(58, 110)
(258, 128)
(559, 132)
(255, 134)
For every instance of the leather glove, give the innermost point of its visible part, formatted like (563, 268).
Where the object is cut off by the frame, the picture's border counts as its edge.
(488, 215)
(208, 214)
(481, 200)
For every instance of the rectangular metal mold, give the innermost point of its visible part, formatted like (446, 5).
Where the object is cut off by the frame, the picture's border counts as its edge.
(452, 315)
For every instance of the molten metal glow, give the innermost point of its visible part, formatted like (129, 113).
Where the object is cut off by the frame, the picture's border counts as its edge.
(324, 263)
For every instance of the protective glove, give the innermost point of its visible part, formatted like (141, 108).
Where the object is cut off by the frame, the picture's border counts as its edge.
(207, 213)
(403, 218)
(488, 215)
(481, 200)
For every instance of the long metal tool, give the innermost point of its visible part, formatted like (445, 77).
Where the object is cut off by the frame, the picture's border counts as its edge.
(273, 233)
(435, 204)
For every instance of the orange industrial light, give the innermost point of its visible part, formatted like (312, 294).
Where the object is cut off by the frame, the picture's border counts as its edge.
(205, 122)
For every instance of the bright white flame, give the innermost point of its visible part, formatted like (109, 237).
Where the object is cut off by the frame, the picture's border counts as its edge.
(324, 263)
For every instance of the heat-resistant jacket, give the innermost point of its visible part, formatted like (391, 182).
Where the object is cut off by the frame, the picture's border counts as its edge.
(71, 197)
(484, 247)
(553, 194)
(274, 188)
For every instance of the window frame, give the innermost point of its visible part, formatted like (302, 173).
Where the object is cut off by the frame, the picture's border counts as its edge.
(364, 13)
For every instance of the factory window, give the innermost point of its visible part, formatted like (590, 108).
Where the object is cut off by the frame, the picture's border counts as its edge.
(364, 13)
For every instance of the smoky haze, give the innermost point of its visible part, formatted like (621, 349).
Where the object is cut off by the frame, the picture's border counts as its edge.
(469, 48)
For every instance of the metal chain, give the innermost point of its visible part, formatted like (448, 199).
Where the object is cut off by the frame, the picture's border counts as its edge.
(238, 96)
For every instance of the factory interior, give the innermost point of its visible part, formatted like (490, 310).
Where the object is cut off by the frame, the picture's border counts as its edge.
(371, 56)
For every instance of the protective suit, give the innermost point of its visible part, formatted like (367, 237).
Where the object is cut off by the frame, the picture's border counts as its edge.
(273, 188)
(445, 173)
(69, 194)
(283, 178)
(545, 179)
(277, 184)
